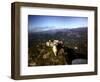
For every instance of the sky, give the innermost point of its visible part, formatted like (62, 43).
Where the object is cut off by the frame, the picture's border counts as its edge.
(38, 23)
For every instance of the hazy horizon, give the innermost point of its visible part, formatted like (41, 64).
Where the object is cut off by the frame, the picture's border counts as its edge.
(38, 23)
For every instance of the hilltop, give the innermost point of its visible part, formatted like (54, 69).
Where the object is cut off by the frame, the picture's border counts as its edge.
(74, 39)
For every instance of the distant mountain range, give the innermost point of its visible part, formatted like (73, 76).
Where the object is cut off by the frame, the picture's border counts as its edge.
(53, 31)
